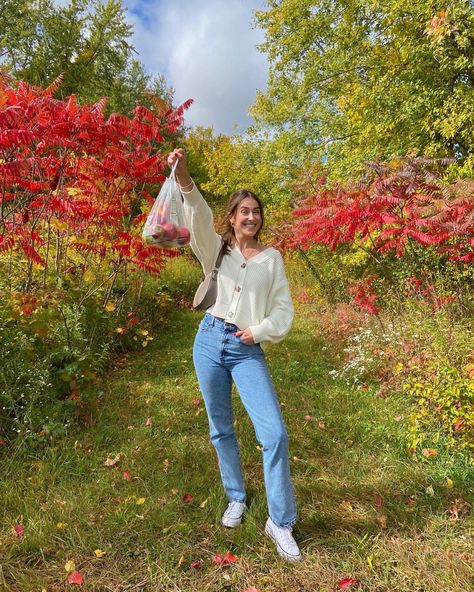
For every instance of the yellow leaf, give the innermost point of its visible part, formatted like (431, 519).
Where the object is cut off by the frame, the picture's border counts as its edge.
(142, 332)
(120, 330)
(73, 191)
(144, 343)
(449, 483)
(370, 561)
(61, 525)
(140, 501)
(181, 561)
(203, 504)
(110, 307)
(69, 566)
(99, 553)
(110, 462)
(88, 276)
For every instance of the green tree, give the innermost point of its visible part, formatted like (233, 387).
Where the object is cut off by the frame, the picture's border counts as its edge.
(87, 41)
(356, 80)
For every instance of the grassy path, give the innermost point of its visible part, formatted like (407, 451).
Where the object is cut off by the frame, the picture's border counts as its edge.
(367, 510)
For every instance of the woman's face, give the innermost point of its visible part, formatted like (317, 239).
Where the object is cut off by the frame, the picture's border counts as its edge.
(247, 218)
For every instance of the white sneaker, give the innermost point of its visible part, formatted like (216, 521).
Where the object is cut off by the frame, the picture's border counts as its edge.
(285, 543)
(233, 515)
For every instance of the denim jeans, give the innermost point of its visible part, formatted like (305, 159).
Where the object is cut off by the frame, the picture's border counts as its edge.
(221, 358)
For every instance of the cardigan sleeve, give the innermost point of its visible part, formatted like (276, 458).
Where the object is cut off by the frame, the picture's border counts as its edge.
(205, 242)
(279, 309)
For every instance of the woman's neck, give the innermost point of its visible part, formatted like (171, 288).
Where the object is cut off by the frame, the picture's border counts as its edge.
(244, 243)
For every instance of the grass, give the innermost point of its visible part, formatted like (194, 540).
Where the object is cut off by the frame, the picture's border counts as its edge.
(367, 509)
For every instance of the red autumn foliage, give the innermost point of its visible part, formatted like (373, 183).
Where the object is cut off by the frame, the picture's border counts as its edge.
(75, 184)
(393, 207)
(363, 295)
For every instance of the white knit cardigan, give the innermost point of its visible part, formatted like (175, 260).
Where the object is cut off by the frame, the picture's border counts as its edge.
(251, 293)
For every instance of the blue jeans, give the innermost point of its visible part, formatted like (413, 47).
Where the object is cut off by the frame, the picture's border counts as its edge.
(221, 358)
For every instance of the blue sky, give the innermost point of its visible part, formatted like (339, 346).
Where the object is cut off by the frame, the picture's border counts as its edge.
(207, 51)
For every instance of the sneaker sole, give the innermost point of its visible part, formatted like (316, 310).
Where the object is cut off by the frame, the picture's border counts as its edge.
(280, 551)
(231, 523)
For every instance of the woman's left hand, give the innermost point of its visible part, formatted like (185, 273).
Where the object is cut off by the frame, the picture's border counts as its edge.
(245, 336)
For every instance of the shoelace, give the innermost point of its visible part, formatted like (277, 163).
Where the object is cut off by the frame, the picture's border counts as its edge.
(233, 507)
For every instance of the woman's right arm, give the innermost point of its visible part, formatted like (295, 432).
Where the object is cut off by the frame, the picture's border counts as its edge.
(205, 242)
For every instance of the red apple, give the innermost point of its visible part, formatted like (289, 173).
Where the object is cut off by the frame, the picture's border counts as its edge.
(157, 231)
(170, 231)
(183, 236)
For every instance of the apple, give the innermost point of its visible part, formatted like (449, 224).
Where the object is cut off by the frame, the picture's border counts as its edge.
(170, 231)
(183, 236)
(157, 231)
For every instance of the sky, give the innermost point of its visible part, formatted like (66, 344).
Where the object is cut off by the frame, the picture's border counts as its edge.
(206, 49)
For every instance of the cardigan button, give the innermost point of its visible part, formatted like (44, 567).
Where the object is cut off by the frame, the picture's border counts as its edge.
(238, 288)
(231, 314)
(243, 265)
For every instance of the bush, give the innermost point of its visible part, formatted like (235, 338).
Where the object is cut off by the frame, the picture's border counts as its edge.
(444, 399)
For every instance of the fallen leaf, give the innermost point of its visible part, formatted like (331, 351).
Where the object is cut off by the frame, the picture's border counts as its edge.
(187, 497)
(166, 465)
(196, 564)
(61, 525)
(149, 421)
(69, 566)
(379, 501)
(321, 425)
(346, 583)
(99, 553)
(430, 491)
(382, 520)
(252, 589)
(429, 452)
(127, 476)
(75, 578)
(140, 501)
(308, 418)
(458, 424)
(19, 530)
(458, 509)
(449, 483)
(3, 442)
(203, 504)
(196, 401)
(110, 462)
(346, 506)
(181, 561)
(226, 559)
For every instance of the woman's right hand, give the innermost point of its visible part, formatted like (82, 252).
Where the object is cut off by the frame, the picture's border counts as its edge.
(181, 171)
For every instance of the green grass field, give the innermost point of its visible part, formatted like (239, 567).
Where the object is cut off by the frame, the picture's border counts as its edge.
(367, 509)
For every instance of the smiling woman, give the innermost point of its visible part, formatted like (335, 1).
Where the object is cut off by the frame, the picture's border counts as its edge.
(253, 309)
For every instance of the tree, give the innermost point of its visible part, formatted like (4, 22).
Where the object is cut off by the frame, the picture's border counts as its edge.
(86, 41)
(353, 80)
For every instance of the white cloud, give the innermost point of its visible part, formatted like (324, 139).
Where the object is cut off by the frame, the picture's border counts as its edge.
(207, 51)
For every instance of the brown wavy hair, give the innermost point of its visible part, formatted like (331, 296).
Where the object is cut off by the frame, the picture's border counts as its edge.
(235, 199)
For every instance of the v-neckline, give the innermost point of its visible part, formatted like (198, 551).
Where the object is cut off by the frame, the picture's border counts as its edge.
(254, 256)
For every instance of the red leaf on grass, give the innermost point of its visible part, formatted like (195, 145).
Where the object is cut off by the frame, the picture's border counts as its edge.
(226, 559)
(19, 530)
(187, 497)
(252, 589)
(196, 564)
(347, 583)
(75, 578)
(379, 501)
(127, 476)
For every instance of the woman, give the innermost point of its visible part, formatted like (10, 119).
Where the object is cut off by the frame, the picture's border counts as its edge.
(253, 309)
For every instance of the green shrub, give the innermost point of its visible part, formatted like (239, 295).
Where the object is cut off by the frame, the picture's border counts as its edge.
(444, 398)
